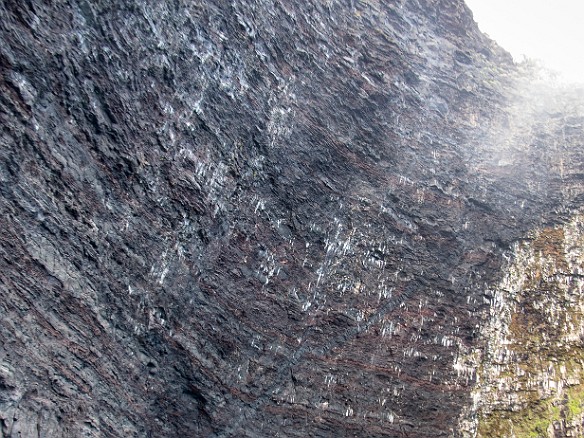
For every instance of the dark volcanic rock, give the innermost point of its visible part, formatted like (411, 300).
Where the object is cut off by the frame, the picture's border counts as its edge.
(259, 218)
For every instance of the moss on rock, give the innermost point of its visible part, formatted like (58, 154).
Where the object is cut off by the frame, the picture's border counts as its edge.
(531, 375)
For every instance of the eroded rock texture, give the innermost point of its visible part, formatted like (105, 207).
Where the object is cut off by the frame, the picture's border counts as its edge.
(530, 373)
(264, 218)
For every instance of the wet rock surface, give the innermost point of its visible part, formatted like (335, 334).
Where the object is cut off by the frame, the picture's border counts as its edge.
(530, 372)
(262, 218)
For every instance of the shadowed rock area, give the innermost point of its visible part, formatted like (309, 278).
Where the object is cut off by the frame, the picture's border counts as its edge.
(268, 218)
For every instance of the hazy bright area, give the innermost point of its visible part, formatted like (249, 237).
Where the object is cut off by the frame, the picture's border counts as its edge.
(548, 30)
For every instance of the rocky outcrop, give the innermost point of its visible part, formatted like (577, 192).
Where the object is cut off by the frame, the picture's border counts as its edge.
(273, 219)
(529, 366)
(529, 377)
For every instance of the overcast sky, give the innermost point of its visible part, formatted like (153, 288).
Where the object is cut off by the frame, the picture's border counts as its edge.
(550, 30)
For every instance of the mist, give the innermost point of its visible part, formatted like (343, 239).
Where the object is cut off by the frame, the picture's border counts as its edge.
(549, 32)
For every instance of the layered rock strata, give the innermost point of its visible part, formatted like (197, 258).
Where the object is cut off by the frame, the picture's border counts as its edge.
(269, 218)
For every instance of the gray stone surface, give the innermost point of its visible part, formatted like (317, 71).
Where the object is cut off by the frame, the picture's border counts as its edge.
(260, 218)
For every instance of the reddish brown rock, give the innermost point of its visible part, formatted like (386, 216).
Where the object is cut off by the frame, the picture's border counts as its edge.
(258, 218)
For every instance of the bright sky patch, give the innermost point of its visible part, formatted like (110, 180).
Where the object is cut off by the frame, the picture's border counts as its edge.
(550, 31)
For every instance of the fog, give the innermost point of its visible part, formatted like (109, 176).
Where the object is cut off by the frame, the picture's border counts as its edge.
(551, 32)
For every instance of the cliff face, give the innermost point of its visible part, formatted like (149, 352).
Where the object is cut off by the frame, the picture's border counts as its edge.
(281, 219)
(530, 373)
(529, 367)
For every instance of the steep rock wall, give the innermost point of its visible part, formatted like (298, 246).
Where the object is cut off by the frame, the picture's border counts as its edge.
(529, 370)
(258, 218)
(530, 375)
